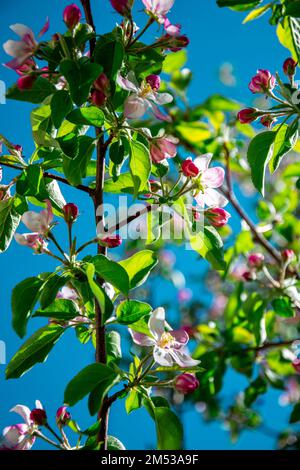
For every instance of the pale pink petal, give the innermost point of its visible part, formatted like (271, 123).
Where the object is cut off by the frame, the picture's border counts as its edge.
(162, 357)
(32, 220)
(129, 83)
(23, 411)
(15, 437)
(213, 177)
(140, 339)
(157, 322)
(202, 162)
(38, 405)
(183, 359)
(213, 198)
(135, 107)
(180, 336)
(22, 30)
(160, 98)
(158, 114)
(15, 48)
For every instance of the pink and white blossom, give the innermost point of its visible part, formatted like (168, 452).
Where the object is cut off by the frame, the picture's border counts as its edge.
(39, 222)
(163, 148)
(67, 293)
(143, 98)
(31, 240)
(158, 8)
(20, 436)
(262, 82)
(169, 347)
(22, 50)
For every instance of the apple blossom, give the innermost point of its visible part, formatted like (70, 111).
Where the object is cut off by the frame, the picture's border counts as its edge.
(262, 82)
(67, 293)
(168, 346)
(32, 240)
(207, 181)
(158, 8)
(288, 255)
(163, 148)
(217, 216)
(296, 365)
(39, 222)
(72, 16)
(143, 98)
(24, 49)
(289, 67)
(186, 383)
(63, 416)
(20, 436)
(112, 241)
(172, 29)
(189, 169)
(247, 115)
(154, 81)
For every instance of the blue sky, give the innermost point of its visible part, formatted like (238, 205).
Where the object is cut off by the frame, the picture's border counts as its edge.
(217, 36)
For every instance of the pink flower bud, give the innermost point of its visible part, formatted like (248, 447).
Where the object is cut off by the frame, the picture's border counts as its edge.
(165, 147)
(102, 83)
(26, 82)
(186, 383)
(176, 43)
(288, 255)
(72, 15)
(113, 241)
(256, 260)
(70, 212)
(248, 276)
(98, 98)
(189, 168)
(262, 82)
(289, 67)
(217, 216)
(122, 6)
(296, 365)
(154, 81)
(196, 214)
(268, 121)
(62, 416)
(247, 115)
(38, 416)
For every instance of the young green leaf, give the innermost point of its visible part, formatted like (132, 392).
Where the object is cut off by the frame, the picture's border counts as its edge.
(138, 267)
(140, 165)
(114, 444)
(168, 428)
(123, 184)
(9, 222)
(40, 90)
(50, 289)
(60, 309)
(36, 349)
(113, 347)
(131, 311)
(103, 300)
(91, 116)
(259, 154)
(111, 272)
(24, 297)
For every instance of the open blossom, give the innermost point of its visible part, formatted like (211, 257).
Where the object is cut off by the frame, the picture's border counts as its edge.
(172, 29)
(162, 148)
(169, 347)
(208, 180)
(32, 240)
(158, 8)
(39, 222)
(142, 98)
(67, 293)
(20, 436)
(262, 82)
(25, 48)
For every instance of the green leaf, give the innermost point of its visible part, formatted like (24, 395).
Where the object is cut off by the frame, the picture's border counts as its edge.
(140, 165)
(286, 138)
(111, 272)
(256, 388)
(295, 416)
(9, 222)
(69, 145)
(238, 3)
(293, 8)
(288, 35)
(113, 347)
(131, 311)
(174, 62)
(86, 381)
(61, 105)
(259, 153)
(254, 14)
(80, 75)
(60, 309)
(209, 245)
(50, 289)
(169, 429)
(97, 395)
(114, 444)
(91, 116)
(103, 300)
(283, 307)
(36, 349)
(124, 184)
(24, 297)
(138, 267)
(40, 90)
(109, 54)
(75, 169)
(133, 401)
(42, 128)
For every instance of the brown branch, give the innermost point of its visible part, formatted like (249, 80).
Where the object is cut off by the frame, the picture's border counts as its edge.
(86, 5)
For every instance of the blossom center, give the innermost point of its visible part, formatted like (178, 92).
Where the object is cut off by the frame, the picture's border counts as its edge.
(146, 89)
(166, 341)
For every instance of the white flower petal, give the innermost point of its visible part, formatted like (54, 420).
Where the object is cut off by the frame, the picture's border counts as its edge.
(157, 322)
(213, 198)
(183, 359)
(23, 411)
(162, 357)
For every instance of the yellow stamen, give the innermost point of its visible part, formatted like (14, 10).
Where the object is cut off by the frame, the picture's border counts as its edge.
(166, 340)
